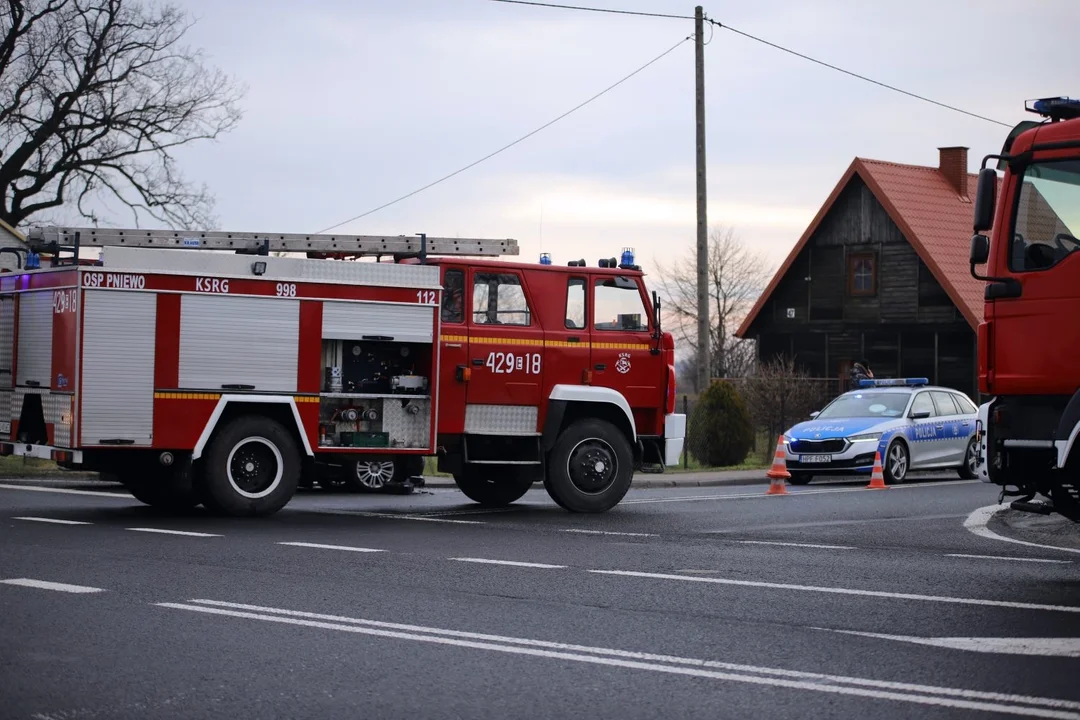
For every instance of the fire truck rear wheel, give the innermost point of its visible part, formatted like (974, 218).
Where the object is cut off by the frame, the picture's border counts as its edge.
(590, 468)
(493, 487)
(158, 491)
(252, 468)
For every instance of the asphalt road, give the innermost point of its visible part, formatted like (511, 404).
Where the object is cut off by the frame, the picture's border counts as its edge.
(833, 601)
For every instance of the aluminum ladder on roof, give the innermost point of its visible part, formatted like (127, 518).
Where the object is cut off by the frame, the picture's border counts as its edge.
(52, 240)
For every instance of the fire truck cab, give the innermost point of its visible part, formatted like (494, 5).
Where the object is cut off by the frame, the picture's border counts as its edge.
(230, 378)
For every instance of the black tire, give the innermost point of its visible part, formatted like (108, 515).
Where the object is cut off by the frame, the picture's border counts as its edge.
(590, 468)
(800, 479)
(492, 486)
(251, 468)
(159, 492)
(897, 463)
(969, 470)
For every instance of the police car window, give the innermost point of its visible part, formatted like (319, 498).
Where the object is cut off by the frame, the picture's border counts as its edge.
(966, 406)
(944, 403)
(923, 403)
(866, 404)
(498, 299)
(453, 302)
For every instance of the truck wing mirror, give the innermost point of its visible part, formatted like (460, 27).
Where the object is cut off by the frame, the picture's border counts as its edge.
(985, 198)
(980, 250)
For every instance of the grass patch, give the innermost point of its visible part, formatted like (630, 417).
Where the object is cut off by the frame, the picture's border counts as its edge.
(16, 466)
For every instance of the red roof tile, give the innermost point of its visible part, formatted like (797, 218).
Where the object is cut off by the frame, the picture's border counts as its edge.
(931, 215)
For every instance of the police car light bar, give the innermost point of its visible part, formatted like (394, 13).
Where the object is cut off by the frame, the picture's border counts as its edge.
(893, 382)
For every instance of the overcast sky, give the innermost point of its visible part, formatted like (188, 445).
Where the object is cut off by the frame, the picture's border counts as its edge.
(352, 103)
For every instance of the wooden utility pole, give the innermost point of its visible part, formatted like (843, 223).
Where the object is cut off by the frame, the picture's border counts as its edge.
(703, 359)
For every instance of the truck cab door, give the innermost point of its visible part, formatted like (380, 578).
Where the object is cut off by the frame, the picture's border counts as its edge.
(453, 351)
(566, 342)
(506, 353)
(622, 357)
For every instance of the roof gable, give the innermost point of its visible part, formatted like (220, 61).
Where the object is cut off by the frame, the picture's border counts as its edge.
(930, 213)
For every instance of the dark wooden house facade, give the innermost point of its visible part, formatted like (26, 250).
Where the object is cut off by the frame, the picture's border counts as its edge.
(881, 276)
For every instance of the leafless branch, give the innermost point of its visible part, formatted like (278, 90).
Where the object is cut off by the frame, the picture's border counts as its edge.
(95, 95)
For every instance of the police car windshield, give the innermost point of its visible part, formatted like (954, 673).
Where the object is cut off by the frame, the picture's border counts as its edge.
(866, 404)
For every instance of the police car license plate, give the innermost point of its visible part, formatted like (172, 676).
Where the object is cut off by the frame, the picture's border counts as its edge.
(815, 458)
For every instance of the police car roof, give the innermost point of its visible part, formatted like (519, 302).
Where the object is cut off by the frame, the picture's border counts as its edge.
(898, 389)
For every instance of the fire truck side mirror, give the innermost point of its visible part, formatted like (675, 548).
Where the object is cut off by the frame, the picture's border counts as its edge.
(985, 198)
(980, 250)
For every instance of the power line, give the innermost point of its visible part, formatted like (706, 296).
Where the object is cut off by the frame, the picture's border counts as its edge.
(764, 42)
(519, 140)
(593, 9)
(856, 75)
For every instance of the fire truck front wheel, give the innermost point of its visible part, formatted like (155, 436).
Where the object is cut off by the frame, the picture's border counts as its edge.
(491, 487)
(590, 467)
(252, 467)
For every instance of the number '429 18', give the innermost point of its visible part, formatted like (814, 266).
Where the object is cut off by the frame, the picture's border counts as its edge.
(505, 363)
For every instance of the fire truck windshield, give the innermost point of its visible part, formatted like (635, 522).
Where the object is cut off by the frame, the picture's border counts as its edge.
(1047, 219)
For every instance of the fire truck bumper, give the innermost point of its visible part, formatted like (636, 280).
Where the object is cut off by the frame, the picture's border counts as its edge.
(44, 452)
(674, 436)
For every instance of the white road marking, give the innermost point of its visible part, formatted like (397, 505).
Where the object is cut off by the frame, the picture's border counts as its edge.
(1005, 557)
(976, 523)
(843, 591)
(693, 667)
(393, 516)
(609, 532)
(744, 496)
(1049, 647)
(46, 585)
(805, 545)
(512, 563)
(332, 547)
(65, 491)
(55, 521)
(186, 533)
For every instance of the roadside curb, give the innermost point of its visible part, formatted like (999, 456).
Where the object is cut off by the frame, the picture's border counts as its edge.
(661, 481)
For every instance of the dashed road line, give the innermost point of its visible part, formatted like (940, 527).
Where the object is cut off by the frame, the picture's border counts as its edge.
(332, 547)
(793, 544)
(1043, 646)
(842, 591)
(512, 563)
(607, 532)
(55, 521)
(960, 698)
(47, 585)
(162, 531)
(1006, 557)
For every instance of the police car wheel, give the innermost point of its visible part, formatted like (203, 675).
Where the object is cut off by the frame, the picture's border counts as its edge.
(970, 469)
(590, 468)
(897, 463)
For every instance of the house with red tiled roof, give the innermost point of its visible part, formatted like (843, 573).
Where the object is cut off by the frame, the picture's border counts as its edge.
(881, 276)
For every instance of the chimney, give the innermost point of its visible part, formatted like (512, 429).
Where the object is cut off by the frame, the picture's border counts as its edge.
(953, 164)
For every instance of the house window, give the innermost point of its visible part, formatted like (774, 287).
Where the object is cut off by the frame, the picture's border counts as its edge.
(861, 274)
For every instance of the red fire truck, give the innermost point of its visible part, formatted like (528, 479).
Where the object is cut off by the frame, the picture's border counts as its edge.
(203, 367)
(1029, 341)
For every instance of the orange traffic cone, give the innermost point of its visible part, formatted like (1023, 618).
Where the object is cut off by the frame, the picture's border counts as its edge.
(877, 479)
(778, 473)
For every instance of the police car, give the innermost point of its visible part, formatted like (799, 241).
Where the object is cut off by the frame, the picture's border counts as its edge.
(915, 426)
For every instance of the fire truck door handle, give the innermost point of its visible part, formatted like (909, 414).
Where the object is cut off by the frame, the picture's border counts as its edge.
(573, 339)
(236, 386)
(478, 362)
(600, 366)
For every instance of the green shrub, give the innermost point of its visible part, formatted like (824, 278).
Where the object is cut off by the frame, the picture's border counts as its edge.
(720, 431)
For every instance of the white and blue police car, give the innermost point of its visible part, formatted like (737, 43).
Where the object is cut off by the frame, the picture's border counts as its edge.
(915, 426)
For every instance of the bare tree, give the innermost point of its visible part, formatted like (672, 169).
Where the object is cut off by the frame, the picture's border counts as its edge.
(737, 276)
(94, 97)
(779, 394)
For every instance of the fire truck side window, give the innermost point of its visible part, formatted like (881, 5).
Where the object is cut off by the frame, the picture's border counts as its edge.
(618, 305)
(575, 304)
(1047, 216)
(498, 298)
(453, 303)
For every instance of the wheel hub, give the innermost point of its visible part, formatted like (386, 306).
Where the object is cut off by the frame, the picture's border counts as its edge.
(253, 467)
(592, 466)
(374, 474)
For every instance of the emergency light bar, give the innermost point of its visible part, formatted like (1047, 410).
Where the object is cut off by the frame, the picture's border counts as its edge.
(1055, 108)
(894, 382)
